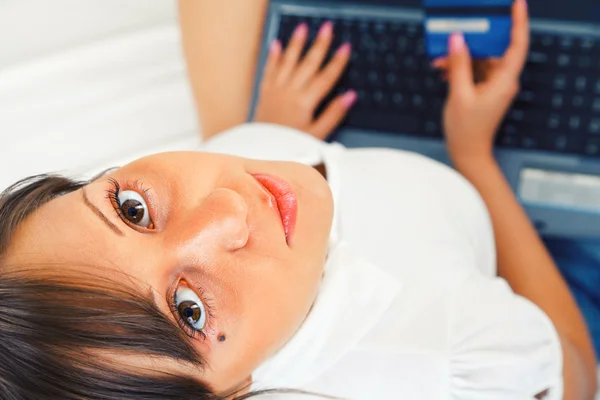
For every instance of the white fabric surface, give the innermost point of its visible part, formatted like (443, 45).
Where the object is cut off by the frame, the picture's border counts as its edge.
(84, 84)
(34, 29)
(409, 307)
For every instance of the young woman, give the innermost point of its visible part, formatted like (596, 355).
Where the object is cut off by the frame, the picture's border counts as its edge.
(352, 273)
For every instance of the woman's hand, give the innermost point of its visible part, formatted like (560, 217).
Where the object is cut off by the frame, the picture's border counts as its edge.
(292, 88)
(474, 111)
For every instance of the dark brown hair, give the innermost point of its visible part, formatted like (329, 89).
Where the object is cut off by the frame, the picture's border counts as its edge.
(55, 327)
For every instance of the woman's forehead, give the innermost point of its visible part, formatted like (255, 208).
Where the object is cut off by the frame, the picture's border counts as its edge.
(62, 230)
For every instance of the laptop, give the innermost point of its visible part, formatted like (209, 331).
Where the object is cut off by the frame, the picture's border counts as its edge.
(549, 144)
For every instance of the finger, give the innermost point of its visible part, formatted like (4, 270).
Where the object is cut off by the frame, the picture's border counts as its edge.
(313, 60)
(480, 74)
(460, 67)
(322, 85)
(516, 55)
(292, 53)
(333, 115)
(273, 60)
(481, 70)
(440, 63)
(486, 70)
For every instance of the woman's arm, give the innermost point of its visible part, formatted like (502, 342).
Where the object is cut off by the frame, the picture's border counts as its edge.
(221, 42)
(472, 115)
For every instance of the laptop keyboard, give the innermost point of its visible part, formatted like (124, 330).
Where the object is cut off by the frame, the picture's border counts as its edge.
(558, 108)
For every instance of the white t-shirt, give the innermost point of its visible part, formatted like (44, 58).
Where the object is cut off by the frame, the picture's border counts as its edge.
(409, 307)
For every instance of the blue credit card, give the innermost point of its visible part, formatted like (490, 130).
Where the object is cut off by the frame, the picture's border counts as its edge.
(486, 25)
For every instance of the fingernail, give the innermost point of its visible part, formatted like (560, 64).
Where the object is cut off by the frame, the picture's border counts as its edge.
(344, 49)
(326, 29)
(523, 3)
(349, 98)
(457, 43)
(301, 30)
(275, 46)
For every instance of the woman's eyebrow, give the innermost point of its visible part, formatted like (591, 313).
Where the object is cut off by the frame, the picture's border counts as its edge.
(99, 214)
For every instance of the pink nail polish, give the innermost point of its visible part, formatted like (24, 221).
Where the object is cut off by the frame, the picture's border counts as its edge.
(275, 46)
(326, 29)
(344, 49)
(301, 30)
(349, 98)
(457, 43)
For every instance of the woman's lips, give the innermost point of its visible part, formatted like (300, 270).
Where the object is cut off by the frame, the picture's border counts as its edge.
(285, 201)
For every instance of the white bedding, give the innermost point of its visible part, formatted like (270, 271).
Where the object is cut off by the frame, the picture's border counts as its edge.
(79, 102)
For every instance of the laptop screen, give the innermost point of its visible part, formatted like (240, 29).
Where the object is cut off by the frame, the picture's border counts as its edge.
(571, 10)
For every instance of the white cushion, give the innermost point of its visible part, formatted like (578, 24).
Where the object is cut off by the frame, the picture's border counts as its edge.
(93, 84)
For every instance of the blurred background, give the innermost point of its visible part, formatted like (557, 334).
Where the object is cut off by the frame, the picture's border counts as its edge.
(85, 84)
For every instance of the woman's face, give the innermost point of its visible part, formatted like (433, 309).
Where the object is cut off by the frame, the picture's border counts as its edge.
(213, 234)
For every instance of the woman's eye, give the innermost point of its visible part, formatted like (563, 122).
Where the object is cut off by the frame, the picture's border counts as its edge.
(190, 308)
(133, 208)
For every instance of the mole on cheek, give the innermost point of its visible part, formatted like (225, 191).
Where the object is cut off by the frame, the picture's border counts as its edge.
(222, 337)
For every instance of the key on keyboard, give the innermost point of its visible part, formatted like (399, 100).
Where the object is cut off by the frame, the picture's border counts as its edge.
(397, 89)
(557, 110)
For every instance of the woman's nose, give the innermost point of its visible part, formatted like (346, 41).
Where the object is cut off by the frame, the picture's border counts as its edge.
(220, 221)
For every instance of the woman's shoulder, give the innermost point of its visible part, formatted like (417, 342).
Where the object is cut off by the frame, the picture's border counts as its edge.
(475, 339)
(268, 142)
(277, 142)
(500, 339)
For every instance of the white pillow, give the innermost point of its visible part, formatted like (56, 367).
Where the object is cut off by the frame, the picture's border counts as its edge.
(113, 96)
